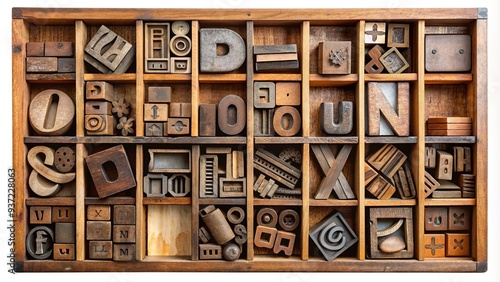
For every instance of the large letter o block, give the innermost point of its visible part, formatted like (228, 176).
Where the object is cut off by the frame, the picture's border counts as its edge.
(286, 121)
(51, 112)
(210, 38)
(231, 115)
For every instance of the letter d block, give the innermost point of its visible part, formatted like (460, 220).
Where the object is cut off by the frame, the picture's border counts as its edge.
(116, 157)
(210, 38)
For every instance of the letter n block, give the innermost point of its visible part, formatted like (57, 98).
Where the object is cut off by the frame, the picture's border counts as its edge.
(388, 108)
(124, 214)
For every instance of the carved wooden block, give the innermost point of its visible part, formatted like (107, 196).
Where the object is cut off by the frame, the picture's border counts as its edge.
(155, 112)
(40, 215)
(404, 183)
(394, 226)
(35, 49)
(109, 52)
(155, 185)
(170, 160)
(374, 33)
(235, 215)
(381, 188)
(467, 183)
(277, 66)
(387, 160)
(178, 126)
(100, 125)
(287, 121)
(430, 157)
(264, 95)
(436, 218)
(334, 57)
(99, 90)
(123, 233)
(124, 214)
(218, 150)
(462, 159)
(398, 35)
(180, 64)
(98, 108)
(210, 38)
(434, 245)
(266, 187)
(275, 168)
(65, 232)
(345, 118)
(39, 242)
(180, 110)
(159, 94)
(447, 189)
(333, 236)
(275, 49)
(59, 49)
(63, 214)
(118, 157)
(448, 53)
(217, 224)
(230, 187)
(64, 252)
(153, 129)
(449, 126)
(179, 185)
(444, 165)
(374, 65)
(100, 250)
(431, 184)
(370, 174)
(98, 212)
(284, 242)
(98, 230)
(210, 251)
(459, 218)
(259, 182)
(208, 120)
(288, 94)
(41, 64)
(457, 245)
(276, 57)
(204, 235)
(157, 51)
(66, 65)
(209, 176)
(392, 100)
(393, 61)
(238, 164)
(180, 45)
(262, 122)
(231, 115)
(123, 252)
(51, 112)
(265, 237)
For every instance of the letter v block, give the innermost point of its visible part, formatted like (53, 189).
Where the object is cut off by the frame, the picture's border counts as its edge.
(210, 39)
(106, 184)
(345, 119)
(392, 101)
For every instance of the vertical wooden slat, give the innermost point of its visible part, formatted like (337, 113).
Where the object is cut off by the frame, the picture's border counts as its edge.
(80, 42)
(81, 153)
(139, 84)
(305, 202)
(140, 223)
(20, 100)
(250, 141)
(195, 85)
(195, 182)
(305, 78)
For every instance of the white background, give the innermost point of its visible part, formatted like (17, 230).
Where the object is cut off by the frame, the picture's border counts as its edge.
(493, 273)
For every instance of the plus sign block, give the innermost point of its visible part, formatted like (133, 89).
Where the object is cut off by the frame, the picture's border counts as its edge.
(434, 245)
(374, 33)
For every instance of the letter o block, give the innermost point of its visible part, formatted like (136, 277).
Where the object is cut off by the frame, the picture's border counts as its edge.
(51, 112)
(231, 115)
(287, 121)
(210, 38)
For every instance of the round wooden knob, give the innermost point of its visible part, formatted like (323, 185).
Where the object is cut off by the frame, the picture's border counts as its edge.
(267, 217)
(289, 220)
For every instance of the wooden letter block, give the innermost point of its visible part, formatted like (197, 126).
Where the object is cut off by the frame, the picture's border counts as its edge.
(59, 49)
(40, 215)
(180, 110)
(178, 126)
(155, 112)
(231, 115)
(63, 214)
(170, 160)
(39, 242)
(431, 184)
(116, 157)
(374, 33)
(65, 233)
(100, 125)
(459, 218)
(287, 121)
(123, 252)
(436, 218)
(393, 61)
(381, 188)
(157, 51)
(284, 242)
(64, 252)
(124, 214)
(208, 120)
(179, 185)
(210, 251)
(457, 245)
(430, 157)
(288, 94)
(467, 183)
(448, 53)
(265, 237)
(51, 112)
(100, 250)
(462, 159)
(434, 245)
(66, 65)
(99, 90)
(447, 189)
(334, 57)
(98, 230)
(332, 236)
(403, 181)
(217, 224)
(398, 35)
(157, 94)
(210, 61)
(41, 64)
(392, 101)
(370, 174)
(98, 212)
(209, 176)
(154, 129)
(35, 49)
(155, 185)
(387, 160)
(180, 64)
(374, 65)
(238, 163)
(345, 118)
(262, 122)
(98, 108)
(123, 233)
(444, 166)
(264, 95)
(109, 52)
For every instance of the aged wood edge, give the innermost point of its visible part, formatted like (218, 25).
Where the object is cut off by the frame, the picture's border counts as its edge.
(482, 13)
(51, 140)
(451, 139)
(19, 266)
(392, 140)
(134, 140)
(482, 266)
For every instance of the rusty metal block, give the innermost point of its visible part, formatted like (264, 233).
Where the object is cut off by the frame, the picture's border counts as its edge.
(448, 53)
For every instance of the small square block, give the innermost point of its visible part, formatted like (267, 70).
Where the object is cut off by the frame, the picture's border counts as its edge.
(180, 64)
(180, 110)
(434, 245)
(159, 94)
(154, 129)
(459, 218)
(436, 218)
(288, 94)
(59, 49)
(155, 112)
(40, 215)
(398, 35)
(98, 230)
(334, 57)
(98, 108)
(64, 252)
(124, 214)
(63, 214)
(98, 212)
(374, 33)
(66, 65)
(178, 126)
(123, 252)
(35, 49)
(99, 90)
(100, 250)
(65, 233)
(393, 61)
(124, 234)
(264, 95)
(457, 245)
